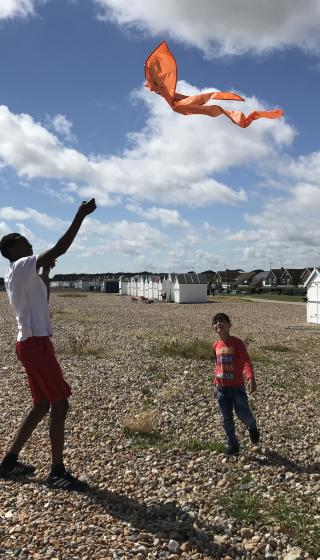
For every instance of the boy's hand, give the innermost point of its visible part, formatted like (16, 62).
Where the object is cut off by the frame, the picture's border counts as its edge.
(46, 269)
(252, 385)
(214, 391)
(87, 207)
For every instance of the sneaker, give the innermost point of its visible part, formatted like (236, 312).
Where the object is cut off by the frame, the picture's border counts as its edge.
(16, 469)
(66, 482)
(231, 450)
(254, 435)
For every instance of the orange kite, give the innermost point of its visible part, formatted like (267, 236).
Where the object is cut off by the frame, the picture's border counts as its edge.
(161, 74)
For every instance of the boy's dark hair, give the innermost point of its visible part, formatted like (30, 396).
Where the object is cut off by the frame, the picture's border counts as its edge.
(7, 242)
(221, 317)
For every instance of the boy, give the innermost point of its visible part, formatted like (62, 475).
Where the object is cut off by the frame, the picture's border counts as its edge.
(28, 296)
(231, 360)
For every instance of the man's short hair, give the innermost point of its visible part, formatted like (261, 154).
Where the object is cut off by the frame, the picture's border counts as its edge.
(7, 242)
(221, 317)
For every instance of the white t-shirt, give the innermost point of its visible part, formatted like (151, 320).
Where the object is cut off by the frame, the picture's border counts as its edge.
(28, 296)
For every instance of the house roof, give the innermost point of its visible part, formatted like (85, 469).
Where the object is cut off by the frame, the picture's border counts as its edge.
(259, 277)
(294, 273)
(191, 278)
(277, 272)
(242, 276)
(228, 275)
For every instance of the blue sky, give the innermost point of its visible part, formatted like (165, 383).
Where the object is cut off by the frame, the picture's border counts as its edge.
(173, 192)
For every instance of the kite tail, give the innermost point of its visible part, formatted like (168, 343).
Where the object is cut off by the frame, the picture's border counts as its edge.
(202, 98)
(241, 120)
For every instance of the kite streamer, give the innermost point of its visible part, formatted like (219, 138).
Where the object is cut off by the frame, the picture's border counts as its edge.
(161, 75)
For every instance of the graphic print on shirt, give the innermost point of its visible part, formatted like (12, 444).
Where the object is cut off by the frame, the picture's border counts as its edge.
(225, 358)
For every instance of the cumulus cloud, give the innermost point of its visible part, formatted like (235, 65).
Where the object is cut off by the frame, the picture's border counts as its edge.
(4, 229)
(222, 28)
(40, 218)
(164, 215)
(63, 127)
(172, 160)
(286, 230)
(129, 238)
(18, 8)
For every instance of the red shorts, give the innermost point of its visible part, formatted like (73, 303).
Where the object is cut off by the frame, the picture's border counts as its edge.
(45, 377)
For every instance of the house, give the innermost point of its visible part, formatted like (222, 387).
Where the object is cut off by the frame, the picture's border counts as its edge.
(244, 278)
(291, 276)
(313, 296)
(305, 275)
(273, 277)
(258, 280)
(226, 278)
(190, 288)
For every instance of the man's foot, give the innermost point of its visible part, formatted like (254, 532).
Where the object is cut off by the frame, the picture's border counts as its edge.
(231, 450)
(66, 481)
(254, 435)
(16, 469)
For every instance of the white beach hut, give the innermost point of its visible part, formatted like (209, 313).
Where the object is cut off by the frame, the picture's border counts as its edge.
(313, 296)
(83, 284)
(141, 287)
(123, 286)
(190, 288)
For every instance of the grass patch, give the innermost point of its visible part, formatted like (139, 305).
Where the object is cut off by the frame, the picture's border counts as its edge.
(277, 348)
(145, 423)
(200, 445)
(257, 356)
(82, 346)
(196, 349)
(72, 315)
(274, 297)
(72, 295)
(297, 518)
(172, 392)
(166, 440)
(242, 506)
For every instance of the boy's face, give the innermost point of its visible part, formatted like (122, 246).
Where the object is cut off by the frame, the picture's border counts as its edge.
(222, 328)
(21, 248)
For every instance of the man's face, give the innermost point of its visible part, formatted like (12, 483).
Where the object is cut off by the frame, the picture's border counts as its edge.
(22, 248)
(221, 327)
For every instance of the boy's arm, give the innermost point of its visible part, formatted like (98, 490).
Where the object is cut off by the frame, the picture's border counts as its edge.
(61, 247)
(45, 277)
(214, 387)
(247, 367)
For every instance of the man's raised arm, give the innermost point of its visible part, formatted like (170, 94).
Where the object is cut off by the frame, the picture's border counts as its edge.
(66, 240)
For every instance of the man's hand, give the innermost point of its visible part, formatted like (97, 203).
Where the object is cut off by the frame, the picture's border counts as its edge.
(214, 391)
(86, 207)
(252, 385)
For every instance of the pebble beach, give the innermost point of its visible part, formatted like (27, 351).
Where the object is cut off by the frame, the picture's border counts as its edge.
(144, 431)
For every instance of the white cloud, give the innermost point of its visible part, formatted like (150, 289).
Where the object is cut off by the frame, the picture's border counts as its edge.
(171, 161)
(286, 231)
(40, 218)
(129, 238)
(164, 215)
(217, 28)
(26, 232)
(18, 8)
(4, 229)
(63, 127)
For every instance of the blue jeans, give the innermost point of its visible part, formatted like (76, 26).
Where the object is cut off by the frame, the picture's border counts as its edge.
(234, 399)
